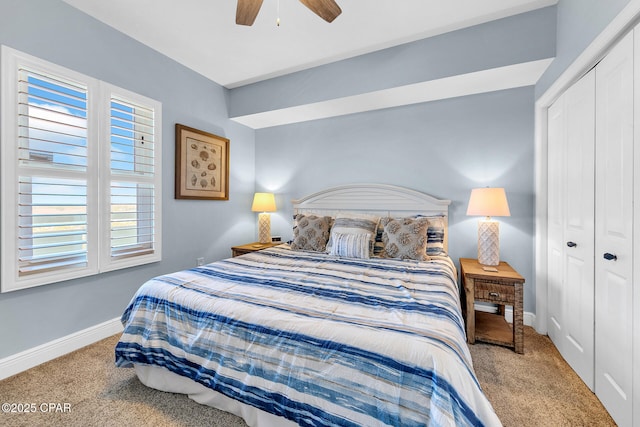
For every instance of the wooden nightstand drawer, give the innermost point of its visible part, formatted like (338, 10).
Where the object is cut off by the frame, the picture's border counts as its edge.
(494, 292)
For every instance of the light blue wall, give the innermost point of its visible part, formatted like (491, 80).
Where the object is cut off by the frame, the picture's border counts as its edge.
(52, 30)
(442, 148)
(579, 22)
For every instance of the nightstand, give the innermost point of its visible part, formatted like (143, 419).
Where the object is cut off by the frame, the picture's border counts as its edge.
(503, 287)
(252, 247)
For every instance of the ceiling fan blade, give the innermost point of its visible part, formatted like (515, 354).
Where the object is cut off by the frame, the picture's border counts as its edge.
(246, 11)
(325, 9)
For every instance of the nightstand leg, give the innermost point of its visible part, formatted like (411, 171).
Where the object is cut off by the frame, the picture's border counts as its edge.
(518, 323)
(469, 287)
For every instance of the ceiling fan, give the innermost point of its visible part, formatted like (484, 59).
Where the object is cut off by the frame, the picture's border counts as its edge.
(247, 10)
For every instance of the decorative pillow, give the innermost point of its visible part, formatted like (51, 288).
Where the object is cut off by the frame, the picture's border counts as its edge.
(405, 238)
(435, 236)
(352, 223)
(378, 246)
(350, 245)
(310, 232)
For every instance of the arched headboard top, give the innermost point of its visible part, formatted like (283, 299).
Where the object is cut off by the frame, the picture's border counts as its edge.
(373, 197)
(379, 199)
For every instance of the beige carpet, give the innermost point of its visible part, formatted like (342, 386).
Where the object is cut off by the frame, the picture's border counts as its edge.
(534, 389)
(537, 388)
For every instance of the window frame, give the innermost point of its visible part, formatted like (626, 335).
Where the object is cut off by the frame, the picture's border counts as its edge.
(98, 174)
(108, 263)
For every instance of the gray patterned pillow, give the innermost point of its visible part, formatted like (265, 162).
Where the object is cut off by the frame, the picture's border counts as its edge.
(405, 238)
(310, 232)
(435, 236)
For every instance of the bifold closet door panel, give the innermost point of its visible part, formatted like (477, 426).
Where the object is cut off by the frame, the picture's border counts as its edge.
(571, 124)
(555, 220)
(614, 231)
(578, 336)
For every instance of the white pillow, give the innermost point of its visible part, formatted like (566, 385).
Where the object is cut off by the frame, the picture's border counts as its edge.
(350, 245)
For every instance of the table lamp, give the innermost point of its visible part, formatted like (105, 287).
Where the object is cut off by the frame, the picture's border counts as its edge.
(264, 203)
(488, 202)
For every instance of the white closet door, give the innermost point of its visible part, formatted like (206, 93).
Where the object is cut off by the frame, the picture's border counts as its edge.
(578, 307)
(571, 124)
(614, 231)
(555, 216)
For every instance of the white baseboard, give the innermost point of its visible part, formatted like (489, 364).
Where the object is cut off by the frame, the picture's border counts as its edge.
(32, 357)
(528, 318)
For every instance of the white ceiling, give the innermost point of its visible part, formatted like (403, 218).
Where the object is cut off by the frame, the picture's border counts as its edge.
(202, 34)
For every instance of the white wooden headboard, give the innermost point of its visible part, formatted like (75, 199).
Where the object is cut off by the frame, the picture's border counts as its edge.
(379, 199)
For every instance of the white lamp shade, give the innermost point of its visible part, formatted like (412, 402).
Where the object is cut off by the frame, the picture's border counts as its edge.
(264, 202)
(488, 202)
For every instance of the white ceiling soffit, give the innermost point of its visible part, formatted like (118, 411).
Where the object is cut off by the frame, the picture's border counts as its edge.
(202, 34)
(507, 77)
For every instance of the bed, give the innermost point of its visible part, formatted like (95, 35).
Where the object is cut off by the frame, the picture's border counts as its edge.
(292, 336)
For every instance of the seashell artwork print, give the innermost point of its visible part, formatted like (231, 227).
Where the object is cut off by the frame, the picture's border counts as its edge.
(203, 165)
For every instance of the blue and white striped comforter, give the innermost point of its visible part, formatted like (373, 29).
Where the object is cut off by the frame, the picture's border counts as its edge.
(316, 339)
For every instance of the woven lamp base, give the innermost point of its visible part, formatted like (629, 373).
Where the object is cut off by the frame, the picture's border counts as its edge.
(264, 227)
(488, 242)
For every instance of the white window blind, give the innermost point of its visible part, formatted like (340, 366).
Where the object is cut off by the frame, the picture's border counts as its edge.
(52, 141)
(132, 189)
(80, 172)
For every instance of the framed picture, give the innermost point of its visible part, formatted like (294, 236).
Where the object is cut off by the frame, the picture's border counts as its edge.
(202, 165)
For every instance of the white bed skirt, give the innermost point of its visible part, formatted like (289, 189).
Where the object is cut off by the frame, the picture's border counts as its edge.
(164, 380)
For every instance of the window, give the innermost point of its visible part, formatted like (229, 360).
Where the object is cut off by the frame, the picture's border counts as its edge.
(80, 175)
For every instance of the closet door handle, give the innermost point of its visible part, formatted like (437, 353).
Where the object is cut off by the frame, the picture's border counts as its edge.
(572, 244)
(610, 257)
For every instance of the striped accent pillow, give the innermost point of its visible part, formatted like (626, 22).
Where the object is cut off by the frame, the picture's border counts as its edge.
(351, 223)
(351, 245)
(435, 236)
